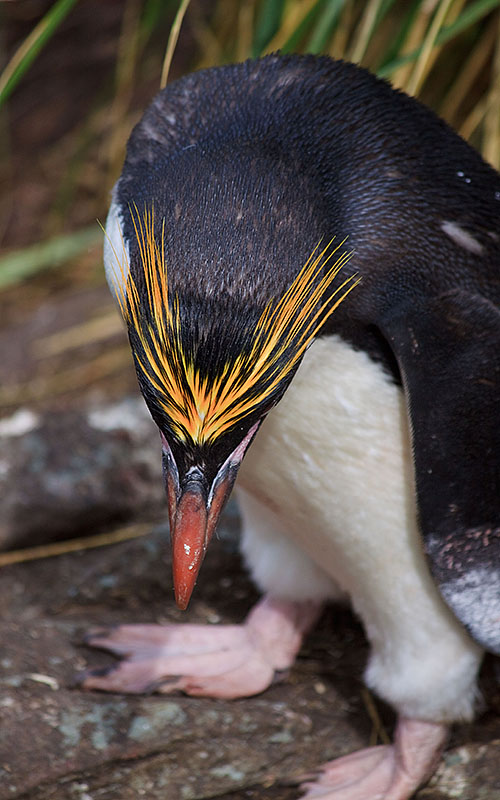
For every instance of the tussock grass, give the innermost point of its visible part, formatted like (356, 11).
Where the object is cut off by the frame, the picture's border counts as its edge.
(447, 52)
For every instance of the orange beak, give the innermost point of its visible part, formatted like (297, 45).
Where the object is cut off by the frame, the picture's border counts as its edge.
(194, 512)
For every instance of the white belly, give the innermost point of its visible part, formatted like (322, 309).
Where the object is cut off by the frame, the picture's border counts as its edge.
(330, 475)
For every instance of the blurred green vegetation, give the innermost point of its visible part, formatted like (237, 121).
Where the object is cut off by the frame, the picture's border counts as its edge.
(447, 52)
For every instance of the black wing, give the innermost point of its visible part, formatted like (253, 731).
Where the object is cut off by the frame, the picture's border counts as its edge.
(448, 351)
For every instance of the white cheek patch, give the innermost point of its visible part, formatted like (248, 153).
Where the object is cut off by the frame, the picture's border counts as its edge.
(116, 252)
(461, 237)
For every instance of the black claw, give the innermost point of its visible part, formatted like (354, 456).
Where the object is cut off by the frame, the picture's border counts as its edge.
(98, 633)
(102, 672)
(280, 675)
(77, 680)
(309, 777)
(96, 672)
(154, 686)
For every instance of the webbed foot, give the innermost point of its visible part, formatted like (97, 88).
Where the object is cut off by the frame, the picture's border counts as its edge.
(225, 661)
(387, 772)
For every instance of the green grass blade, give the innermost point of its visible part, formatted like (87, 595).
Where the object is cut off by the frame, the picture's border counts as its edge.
(268, 23)
(16, 266)
(29, 49)
(154, 14)
(425, 60)
(364, 30)
(325, 26)
(400, 37)
(466, 19)
(292, 43)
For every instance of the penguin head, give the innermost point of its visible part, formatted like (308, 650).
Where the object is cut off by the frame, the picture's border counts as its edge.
(210, 368)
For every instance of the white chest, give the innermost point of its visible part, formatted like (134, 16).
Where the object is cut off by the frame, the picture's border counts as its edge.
(329, 502)
(333, 462)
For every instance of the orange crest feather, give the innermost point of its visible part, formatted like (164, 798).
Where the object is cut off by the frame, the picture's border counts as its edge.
(199, 408)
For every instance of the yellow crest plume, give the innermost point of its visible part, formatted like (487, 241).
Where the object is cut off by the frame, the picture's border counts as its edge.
(201, 408)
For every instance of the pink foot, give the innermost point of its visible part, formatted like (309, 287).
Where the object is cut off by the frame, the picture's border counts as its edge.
(389, 772)
(218, 661)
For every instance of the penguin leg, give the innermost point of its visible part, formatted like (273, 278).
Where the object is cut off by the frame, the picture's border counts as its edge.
(226, 661)
(388, 772)
(278, 565)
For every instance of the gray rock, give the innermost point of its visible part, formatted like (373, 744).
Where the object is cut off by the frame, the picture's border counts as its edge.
(73, 473)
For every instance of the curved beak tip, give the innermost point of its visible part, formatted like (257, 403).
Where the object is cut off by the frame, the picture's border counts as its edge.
(184, 583)
(188, 544)
(182, 598)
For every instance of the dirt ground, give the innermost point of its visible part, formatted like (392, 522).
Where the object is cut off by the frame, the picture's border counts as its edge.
(58, 742)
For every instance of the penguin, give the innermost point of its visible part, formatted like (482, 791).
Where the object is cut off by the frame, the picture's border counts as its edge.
(308, 263)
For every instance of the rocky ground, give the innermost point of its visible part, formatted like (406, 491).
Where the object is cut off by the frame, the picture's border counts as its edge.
(58, 742)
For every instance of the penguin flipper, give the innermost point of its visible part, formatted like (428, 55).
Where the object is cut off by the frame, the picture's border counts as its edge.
(448, 352)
